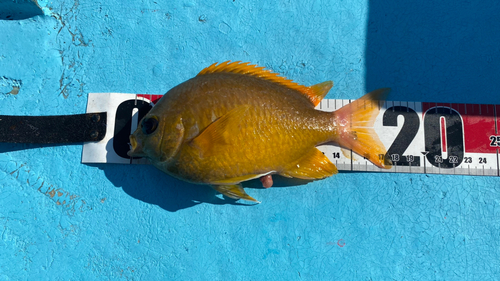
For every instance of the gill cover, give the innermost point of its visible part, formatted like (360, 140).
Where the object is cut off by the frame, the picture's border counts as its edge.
(156, 138)
(172, 138)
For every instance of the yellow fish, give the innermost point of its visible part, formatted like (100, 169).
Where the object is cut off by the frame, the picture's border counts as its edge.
(235, 122)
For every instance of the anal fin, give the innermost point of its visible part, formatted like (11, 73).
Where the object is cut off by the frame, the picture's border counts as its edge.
(313, 165)
(234, 191)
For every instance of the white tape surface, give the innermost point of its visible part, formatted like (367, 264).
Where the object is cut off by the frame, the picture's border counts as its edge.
(420, 137)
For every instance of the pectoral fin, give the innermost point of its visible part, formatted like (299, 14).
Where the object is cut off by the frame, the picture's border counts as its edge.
(219, 131)
(313, 165)
(234, 191)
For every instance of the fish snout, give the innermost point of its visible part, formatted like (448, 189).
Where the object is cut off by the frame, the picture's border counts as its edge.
(135, 147)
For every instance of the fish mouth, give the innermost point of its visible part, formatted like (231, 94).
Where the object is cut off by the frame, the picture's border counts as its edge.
(135, 148)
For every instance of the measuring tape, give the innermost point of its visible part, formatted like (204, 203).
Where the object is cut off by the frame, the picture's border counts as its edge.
(420, 137)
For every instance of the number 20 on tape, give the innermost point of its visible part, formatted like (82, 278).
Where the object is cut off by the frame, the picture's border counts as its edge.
(420, 137)
(424, 137)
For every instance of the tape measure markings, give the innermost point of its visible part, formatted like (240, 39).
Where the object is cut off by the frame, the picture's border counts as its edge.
(443, 138)
(420, 137)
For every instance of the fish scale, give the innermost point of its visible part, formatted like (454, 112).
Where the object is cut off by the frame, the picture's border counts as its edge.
(263, 156)
(284, 115)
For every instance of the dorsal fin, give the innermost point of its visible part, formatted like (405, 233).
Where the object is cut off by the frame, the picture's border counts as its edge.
(315, 93)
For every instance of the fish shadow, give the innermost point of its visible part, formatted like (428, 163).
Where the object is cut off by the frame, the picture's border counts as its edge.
(278, 181)
(150, 185)
(11, 147)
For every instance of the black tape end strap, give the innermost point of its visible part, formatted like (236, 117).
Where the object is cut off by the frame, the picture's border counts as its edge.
(78, 128)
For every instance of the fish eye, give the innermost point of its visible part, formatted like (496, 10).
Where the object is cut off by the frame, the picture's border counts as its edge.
(149, 125)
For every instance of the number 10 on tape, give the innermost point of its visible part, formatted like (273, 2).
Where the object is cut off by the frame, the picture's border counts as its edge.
(420, 137)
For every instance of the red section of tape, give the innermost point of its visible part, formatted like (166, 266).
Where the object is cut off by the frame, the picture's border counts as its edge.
(153, 98)
(444, 146)
(478, 124)
(498, 119)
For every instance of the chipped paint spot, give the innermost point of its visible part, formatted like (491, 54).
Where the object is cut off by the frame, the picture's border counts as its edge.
(52, 193)
(73, 39)
(12, 86)
(70, 202)
(15, 90)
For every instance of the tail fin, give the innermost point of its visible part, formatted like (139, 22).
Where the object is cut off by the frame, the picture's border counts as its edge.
(356, 131)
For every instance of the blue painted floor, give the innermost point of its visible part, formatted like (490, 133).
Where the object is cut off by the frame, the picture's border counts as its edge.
(63, 220)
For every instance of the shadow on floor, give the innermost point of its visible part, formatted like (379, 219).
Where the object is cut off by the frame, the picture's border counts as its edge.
(444, 51)
(19, 10)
